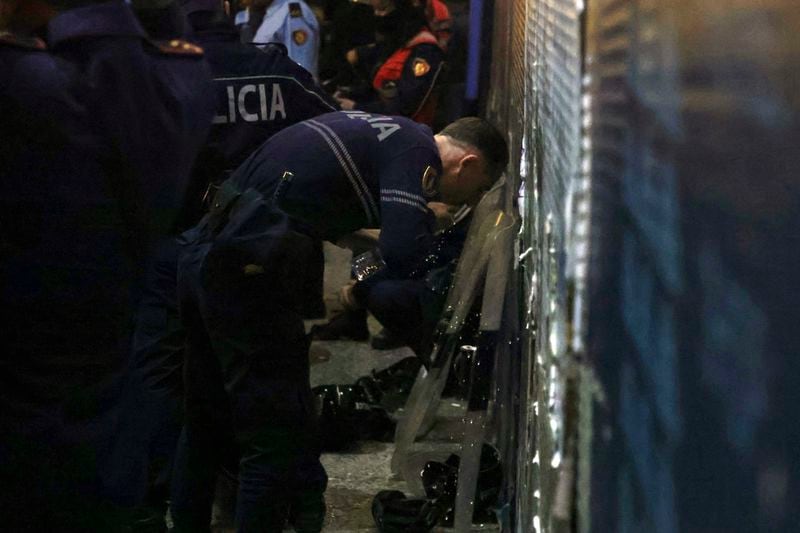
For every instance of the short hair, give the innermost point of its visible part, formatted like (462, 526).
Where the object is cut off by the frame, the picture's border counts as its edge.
(484, 137)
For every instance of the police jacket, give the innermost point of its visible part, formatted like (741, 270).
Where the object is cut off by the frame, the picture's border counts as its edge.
(259, 91)
(99, 131)
(404, 83)
(352, 170)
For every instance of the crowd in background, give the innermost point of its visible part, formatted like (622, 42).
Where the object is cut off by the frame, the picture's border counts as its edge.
(391, 56)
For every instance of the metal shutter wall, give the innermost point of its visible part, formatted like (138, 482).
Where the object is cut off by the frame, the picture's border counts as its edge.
(537, 71)
(695, 202)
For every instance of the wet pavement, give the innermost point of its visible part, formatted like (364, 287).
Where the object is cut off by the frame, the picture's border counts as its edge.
(358, 474)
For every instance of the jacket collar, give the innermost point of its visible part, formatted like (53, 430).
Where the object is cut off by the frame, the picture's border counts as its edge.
(275, 6)
(113, 18)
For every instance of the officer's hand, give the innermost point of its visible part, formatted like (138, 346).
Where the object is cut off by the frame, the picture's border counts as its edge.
(443, 214)
(345, 103)
(346, 297)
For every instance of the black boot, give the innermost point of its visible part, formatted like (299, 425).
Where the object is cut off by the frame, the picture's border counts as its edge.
(387, 339)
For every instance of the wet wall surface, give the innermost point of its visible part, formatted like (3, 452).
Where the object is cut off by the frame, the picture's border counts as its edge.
(695, 208)
(659, 376)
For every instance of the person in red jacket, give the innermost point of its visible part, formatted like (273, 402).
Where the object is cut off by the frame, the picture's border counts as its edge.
(439, 21)
(403, 65)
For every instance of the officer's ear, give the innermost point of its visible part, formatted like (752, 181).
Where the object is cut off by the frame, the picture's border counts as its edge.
(469, 163)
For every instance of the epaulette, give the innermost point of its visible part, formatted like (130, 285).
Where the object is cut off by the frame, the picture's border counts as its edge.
(31, 43)
(178, 47)
(295, 11)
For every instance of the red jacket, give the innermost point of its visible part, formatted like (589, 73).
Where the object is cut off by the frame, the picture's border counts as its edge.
(405, 82)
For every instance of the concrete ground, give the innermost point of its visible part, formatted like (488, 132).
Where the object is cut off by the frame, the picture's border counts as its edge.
(356, 476)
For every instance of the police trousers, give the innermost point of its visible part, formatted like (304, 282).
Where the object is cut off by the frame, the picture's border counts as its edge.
(247, 373)
(154, 412)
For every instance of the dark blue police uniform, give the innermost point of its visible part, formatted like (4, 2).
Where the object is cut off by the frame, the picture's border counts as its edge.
(411, 308)
(99, 132)
(258, 92)
(332, 175)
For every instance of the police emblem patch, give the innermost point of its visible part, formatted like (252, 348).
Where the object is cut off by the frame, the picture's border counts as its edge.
(178, 47)
(299, 36)
(420, 67)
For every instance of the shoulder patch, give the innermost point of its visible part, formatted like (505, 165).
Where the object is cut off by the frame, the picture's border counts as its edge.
(31, 43)
(299, 37)
(179, 47)
(420, 67)
(295, 11)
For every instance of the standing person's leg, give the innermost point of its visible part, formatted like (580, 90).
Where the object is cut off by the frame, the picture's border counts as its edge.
(264, 355)
(158, 353)
(396, 305)
(314, 266)
(207, 431)
(251, 308)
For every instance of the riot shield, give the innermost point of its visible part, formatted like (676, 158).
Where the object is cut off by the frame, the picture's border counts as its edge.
(488, 222)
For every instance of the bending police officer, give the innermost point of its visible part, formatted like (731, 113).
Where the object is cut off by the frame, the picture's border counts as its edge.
(325, 177)
(258, 92)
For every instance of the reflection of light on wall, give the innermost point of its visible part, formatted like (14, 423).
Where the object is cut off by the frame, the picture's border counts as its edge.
(523, 160)
(555, 340)
(555, 462)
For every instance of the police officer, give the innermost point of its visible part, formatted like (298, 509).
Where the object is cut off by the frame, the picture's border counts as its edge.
(327, 176)
(258, 92)
(98, 141)
(293, 24)
(403, 66)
